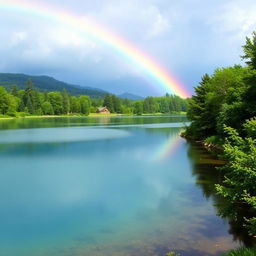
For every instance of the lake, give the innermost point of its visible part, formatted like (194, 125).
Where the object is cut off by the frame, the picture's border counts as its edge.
(123, 186)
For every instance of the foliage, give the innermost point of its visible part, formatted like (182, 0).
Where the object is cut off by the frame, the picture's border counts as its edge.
(223, 110)
(241, 252)
(172, 254)
(4, 101)
(215, 140)
(113, 103)
(219, 101)
(30, 101)
(47, 84)
(250, 51)
(239, 186)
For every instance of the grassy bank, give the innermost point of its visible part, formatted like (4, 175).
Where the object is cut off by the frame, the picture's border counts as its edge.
(54, 116)
(22, 115)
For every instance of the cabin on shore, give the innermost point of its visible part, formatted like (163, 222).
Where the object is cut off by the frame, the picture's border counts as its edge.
(103, 110)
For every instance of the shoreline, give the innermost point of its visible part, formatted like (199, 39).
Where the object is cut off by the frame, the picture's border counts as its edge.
(208, 146)
(90, 115)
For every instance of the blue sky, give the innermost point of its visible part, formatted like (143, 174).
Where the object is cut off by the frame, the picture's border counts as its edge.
(188, 37)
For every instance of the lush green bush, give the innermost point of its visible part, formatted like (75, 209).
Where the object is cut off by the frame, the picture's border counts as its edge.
(222, 103)
(241, 252)
(239, 186)
(214, 140)
(227, 97)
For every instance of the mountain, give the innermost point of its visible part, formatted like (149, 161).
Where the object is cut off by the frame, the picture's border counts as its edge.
(130, 96)
(46, 83)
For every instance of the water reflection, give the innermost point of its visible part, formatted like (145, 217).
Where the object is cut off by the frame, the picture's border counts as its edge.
(207, 176)
(118, 195)
(25, 123)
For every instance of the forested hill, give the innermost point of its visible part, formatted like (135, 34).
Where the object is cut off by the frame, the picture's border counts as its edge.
(46, 83)
(130, 96)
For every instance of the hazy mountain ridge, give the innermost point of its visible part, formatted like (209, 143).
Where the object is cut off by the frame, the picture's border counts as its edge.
(130, 96)
(47, 83)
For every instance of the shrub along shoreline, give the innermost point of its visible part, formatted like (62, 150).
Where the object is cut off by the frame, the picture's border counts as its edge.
(223, 115)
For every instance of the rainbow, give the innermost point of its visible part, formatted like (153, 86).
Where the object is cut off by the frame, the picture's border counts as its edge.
(168, 148)
(133, 55)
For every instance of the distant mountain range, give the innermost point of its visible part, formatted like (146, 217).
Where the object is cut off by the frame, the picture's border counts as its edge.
(130, 96)
(47, 83)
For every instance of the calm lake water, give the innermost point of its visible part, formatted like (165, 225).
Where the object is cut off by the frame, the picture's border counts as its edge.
(123, 186)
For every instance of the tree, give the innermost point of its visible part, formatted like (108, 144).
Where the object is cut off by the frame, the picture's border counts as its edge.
(197, 108)
(29, 105)
(108, 102)
(13, 103)
(55, 98)
(85, 105)
(47, 108)
(138, 108)
(14, 90)
(66, 102)
(28, 97)
(4, 101)
(116, 104)
(239, 186)
(150, 105)
(75, 106)
(250, 51)
(218, 101)
(164, 104)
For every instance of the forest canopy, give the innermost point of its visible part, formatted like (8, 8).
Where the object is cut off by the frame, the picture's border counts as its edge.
(31, 101)
(223, 112)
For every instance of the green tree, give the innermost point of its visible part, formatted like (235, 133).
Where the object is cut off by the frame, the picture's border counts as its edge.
(13, 103)
(4, 101)
(164, 105)
(47, 108)
(85, 105)
(138, 108)
(14, 90)
(29, 105)
(108, 102)
(55, 98)
(28, 97)
(75, 106)
(66, 102)
(250, 51)
(150, 105)
(116, 104)
(239, 186)
(197, 109)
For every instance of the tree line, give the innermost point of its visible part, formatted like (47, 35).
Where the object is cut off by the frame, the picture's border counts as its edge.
(223, 111)
(31, 101)
(150, 105)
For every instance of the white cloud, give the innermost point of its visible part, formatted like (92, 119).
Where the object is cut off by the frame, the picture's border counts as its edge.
(190, 37)
(159, 23)
(237, 19)
(17, 38)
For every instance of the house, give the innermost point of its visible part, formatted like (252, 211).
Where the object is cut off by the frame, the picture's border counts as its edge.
(103, 110)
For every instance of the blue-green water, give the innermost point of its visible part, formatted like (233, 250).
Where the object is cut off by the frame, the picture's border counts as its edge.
(106, 186)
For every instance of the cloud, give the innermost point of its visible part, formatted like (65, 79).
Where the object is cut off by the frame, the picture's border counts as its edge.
(188, 37)
(17, 38)
(237, 19)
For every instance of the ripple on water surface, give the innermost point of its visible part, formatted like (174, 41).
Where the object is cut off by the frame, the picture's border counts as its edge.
(64, 134)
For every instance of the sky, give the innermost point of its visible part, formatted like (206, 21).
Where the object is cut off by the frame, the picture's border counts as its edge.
(188, 37)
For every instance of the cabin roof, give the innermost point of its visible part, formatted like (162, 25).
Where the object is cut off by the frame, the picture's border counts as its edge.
(102, 108)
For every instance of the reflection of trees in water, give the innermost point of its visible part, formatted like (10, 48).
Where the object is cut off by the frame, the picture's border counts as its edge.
(21, 123)
(207, 175)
